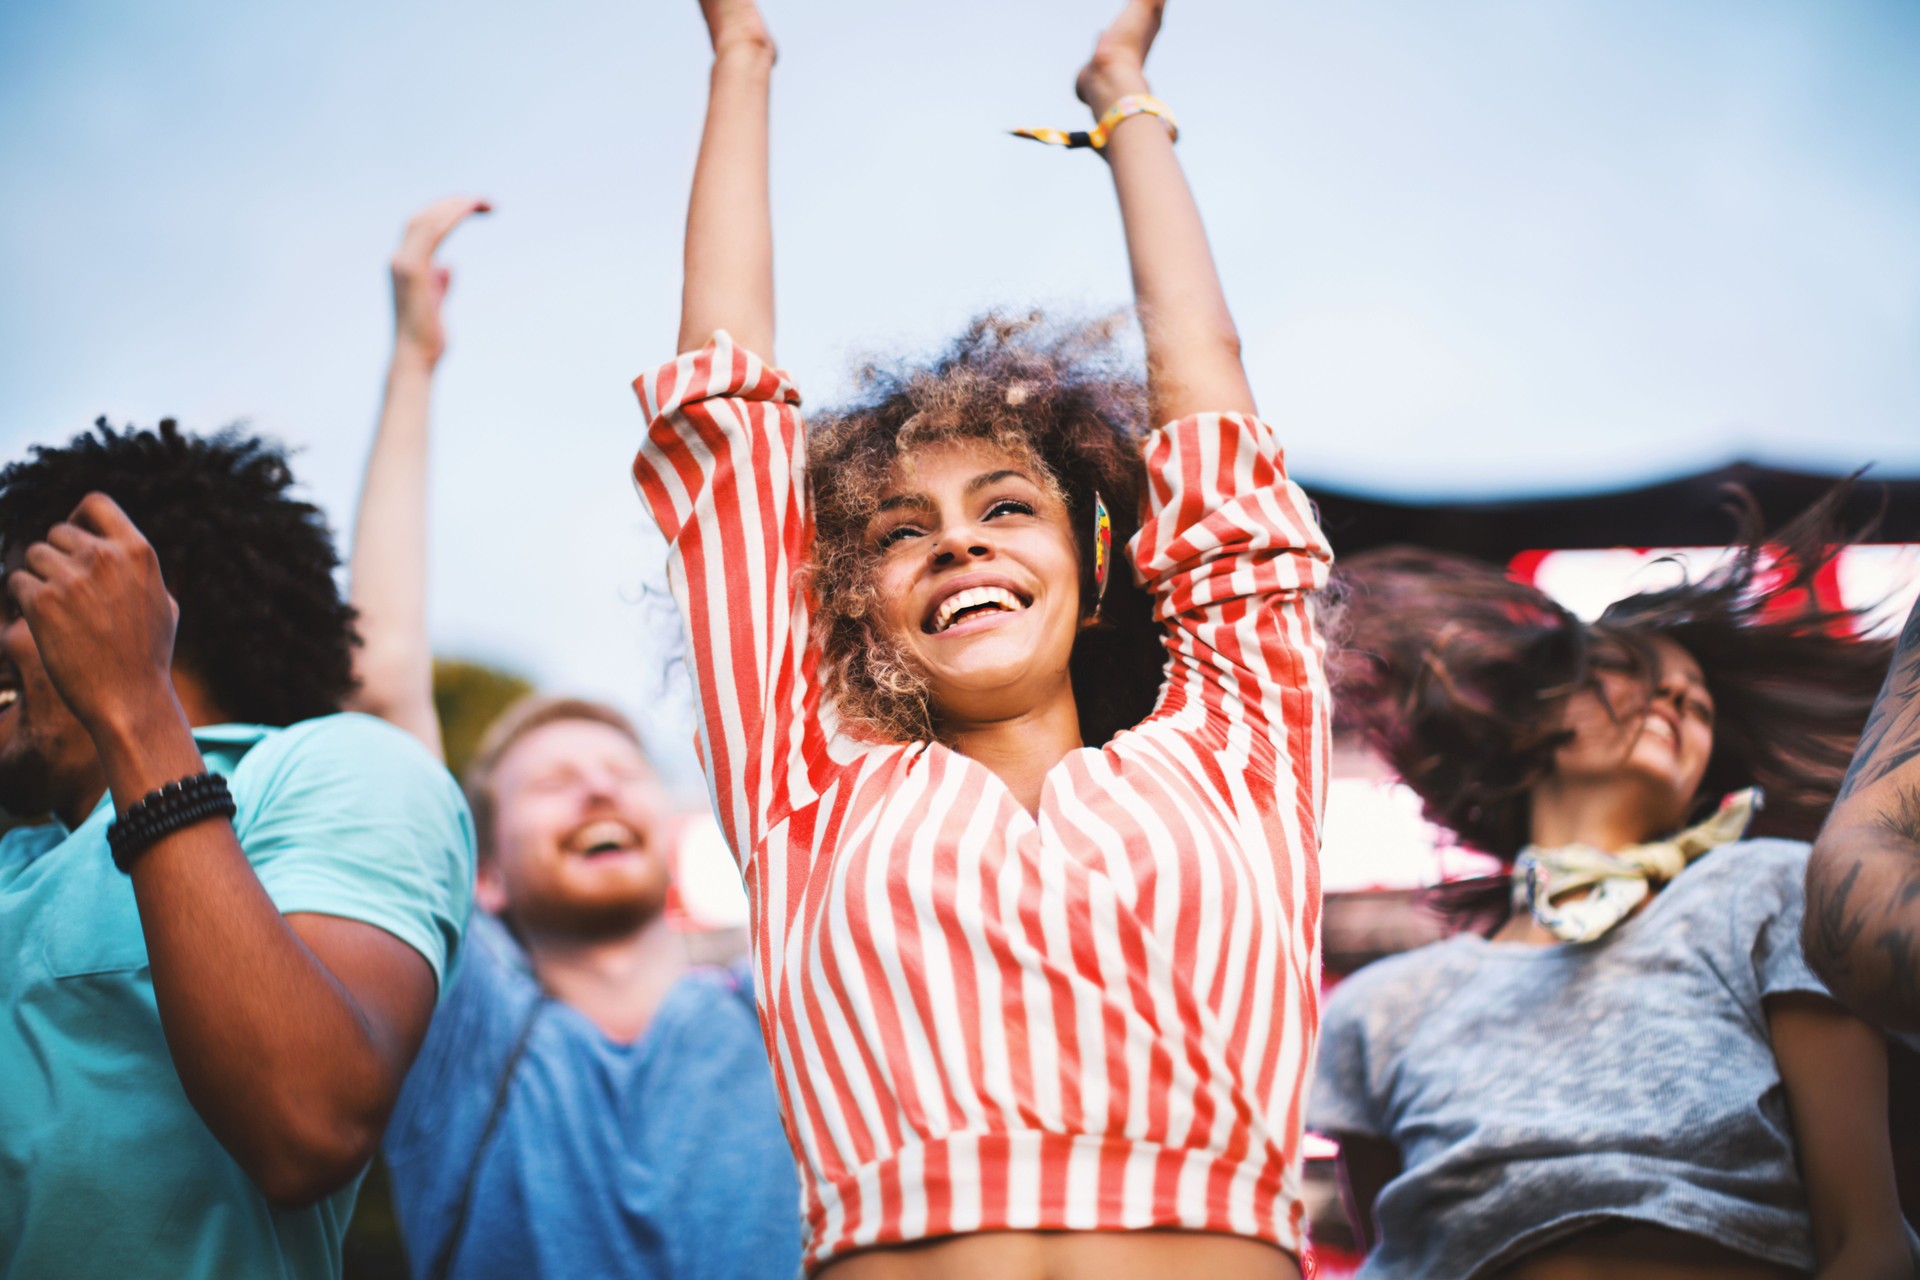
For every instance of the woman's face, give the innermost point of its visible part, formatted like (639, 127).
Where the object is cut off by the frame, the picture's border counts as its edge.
(1657, 745)
(979, 579)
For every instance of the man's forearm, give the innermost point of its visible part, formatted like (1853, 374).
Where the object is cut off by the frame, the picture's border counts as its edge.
(271, 1050)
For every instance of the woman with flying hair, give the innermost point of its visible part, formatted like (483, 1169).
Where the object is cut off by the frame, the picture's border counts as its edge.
(1621, 1064)
(1015, 716)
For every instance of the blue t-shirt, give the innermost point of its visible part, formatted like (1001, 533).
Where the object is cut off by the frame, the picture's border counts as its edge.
(660, 1158)
(105, 1168)
(1534, 1091)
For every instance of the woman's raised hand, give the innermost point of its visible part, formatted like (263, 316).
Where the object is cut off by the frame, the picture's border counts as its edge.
(729, 258)
(1119, 61)
(735, 24)
(1193, 352)
(420, 283)
(387, 579)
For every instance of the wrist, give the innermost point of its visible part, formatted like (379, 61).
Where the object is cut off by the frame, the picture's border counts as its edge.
(144, 741)
(413, 357)
(746, 52)
(1103, 89)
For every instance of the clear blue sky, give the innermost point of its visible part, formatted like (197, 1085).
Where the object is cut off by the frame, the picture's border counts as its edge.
(1474, 248)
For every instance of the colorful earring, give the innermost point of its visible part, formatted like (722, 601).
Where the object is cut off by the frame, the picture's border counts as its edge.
(1102, 548)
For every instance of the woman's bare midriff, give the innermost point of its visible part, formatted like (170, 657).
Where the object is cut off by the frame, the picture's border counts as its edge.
(1635, 1251)
(1071, 1255)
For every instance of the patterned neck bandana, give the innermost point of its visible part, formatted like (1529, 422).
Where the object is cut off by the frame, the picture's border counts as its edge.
(1544, 880)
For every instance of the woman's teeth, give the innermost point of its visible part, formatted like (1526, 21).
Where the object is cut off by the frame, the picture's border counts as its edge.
(973, 598)
(8, 697)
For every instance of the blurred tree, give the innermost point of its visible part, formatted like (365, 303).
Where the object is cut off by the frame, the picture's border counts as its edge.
(372, 1249)
(467, 696)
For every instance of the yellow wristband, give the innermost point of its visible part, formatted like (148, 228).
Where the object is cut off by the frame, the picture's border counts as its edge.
(1133, 104)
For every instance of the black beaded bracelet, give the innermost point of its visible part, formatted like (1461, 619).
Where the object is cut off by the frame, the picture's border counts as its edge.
(161, 813)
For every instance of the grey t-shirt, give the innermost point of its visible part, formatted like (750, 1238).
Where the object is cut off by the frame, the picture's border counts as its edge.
(1534, 1091)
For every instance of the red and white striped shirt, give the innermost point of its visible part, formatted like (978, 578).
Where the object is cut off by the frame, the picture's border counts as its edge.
(1101, 1016)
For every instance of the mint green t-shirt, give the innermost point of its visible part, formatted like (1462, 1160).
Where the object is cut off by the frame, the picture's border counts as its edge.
(105, 1168)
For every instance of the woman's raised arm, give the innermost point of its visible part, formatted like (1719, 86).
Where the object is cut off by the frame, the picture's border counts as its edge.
(1193, 350)
(729, 263)
(387, 580)
(722, 470)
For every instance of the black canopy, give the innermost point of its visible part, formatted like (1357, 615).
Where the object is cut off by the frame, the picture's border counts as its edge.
(1690, 511)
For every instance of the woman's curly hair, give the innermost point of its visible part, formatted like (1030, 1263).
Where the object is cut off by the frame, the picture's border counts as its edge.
(1457, 674)
(262, 624)
(1062, 395)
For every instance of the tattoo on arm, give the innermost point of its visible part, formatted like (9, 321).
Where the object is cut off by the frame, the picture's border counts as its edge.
(1902, 947)
(1901, 820)
(1901, 823)
(1836, 926)
(1892, 735)
(1851, 929)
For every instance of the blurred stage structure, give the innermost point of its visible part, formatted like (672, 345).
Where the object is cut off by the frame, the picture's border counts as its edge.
(1690, 511)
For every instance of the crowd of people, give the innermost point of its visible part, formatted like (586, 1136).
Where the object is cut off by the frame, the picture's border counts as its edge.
(1015, 678)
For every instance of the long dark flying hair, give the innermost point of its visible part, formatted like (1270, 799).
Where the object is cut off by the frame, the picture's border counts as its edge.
(1457, 675)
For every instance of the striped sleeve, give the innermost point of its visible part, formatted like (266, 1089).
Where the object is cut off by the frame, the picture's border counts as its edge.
(723, 471)
(1232, 556)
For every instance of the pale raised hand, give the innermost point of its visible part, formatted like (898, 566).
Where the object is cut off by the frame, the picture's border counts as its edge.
(1119, 61)
(388, 575)
(420, 283)
(736, 24)
(729, 252)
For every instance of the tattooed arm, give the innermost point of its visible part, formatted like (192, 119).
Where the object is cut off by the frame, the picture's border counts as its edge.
(1862, 931)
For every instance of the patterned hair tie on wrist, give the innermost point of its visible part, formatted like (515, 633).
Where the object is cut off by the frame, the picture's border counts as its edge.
(1133, 104)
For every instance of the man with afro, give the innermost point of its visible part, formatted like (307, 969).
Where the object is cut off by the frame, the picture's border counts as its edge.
(222, 940)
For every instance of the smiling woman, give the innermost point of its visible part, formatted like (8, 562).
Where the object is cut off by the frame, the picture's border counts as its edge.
(1033, 428)
(1533, 1104)
(1026, 790)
